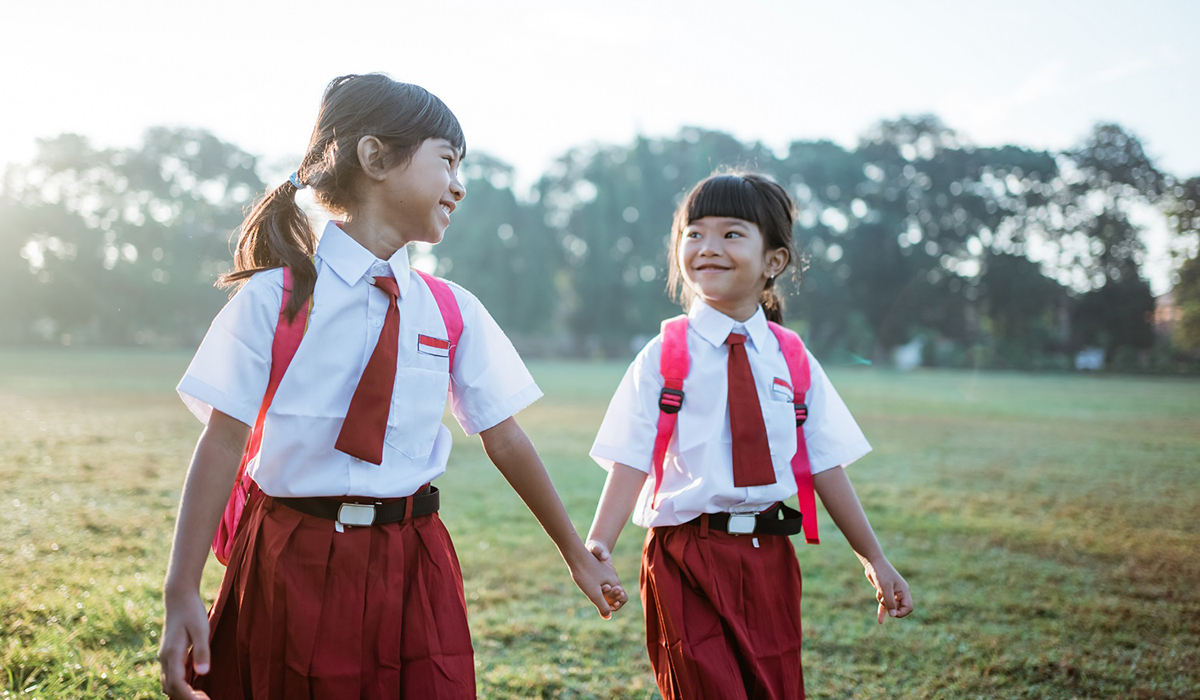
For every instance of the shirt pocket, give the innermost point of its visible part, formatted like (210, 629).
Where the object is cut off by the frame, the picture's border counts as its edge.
(780, 420)
(418, 403)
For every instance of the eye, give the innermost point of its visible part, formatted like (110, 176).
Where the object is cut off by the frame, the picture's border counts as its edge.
(691, 234)
(734, 234)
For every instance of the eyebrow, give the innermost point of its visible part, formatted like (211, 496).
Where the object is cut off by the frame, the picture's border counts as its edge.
(446, 145)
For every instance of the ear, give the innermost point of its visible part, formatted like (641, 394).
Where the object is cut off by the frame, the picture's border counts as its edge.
(371, 152)
(776, 261)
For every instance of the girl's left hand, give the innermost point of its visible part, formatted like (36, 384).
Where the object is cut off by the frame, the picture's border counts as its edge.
(891, 590)
(598, 580)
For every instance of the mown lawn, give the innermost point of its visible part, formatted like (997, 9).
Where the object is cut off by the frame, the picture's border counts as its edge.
(1046, 523)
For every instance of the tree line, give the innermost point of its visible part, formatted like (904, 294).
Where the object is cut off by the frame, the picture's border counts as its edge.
(993, 256)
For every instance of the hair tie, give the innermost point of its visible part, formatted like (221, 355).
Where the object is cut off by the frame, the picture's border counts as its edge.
(294, 178)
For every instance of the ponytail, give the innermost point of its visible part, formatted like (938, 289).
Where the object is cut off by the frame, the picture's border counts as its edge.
(772, 302)
(276, 234)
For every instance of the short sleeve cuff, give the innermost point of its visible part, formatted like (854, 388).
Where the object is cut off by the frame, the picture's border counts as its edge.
(201, 399)
(493, 415)
(607, 455)
(841, 457)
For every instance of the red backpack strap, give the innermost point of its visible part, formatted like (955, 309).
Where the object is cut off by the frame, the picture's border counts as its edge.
(448, 305)
(797, 362)
(288, 334)
(674, 364)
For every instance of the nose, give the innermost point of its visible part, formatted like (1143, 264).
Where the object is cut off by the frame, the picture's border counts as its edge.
(708, 245)
(457, 189)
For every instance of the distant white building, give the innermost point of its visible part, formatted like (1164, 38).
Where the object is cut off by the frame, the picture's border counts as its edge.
(1089, 359)
(908, 356)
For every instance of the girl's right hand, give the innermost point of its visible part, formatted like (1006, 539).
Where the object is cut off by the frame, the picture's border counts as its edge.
(185, 626)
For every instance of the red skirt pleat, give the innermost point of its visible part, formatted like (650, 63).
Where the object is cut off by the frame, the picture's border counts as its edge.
(308, 612)
(722, 616)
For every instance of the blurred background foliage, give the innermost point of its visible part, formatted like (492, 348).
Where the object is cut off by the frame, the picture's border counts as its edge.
(915, 241)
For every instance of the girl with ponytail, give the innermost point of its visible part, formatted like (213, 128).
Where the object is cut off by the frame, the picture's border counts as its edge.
(342, 581)
(722, 417)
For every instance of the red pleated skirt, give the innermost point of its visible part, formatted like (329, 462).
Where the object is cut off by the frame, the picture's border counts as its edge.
(308, 612)
(722, 615)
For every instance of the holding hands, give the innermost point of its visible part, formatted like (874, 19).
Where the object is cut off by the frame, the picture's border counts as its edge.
(598, 580)
(614, 594)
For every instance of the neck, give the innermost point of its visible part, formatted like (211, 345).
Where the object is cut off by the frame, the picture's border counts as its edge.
(374, 233)
(740, 311)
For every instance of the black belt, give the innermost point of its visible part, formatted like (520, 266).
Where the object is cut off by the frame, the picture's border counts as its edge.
(780, 520)
(361, 514)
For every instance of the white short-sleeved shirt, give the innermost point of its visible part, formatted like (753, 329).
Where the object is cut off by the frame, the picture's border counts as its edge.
(489, 383)
(698, 468)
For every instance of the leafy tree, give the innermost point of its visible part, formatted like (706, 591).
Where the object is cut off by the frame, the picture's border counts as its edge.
(124, 244)
(502, 250)
(898, 228)
(1107, 176)
(1185, 216)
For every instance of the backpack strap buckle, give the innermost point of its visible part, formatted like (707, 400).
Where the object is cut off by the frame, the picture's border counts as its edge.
(801, 414)
(670, 400)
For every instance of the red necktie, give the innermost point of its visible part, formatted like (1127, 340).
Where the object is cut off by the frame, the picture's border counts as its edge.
(752, 464)
(366, 419)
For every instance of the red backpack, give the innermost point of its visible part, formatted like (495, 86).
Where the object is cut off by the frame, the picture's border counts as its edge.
(674, 365)
(288, 334)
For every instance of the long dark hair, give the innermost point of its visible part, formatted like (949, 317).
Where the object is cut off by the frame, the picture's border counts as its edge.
(742, 195)
(402, 116)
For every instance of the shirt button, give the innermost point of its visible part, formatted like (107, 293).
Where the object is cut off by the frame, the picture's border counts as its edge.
(376, 322)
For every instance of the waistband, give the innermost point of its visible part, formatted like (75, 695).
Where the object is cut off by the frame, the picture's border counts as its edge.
(363, 512)
(779, 519)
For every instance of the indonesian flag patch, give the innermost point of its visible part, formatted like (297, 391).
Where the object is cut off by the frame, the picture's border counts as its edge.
(433, 346)
(783, 389)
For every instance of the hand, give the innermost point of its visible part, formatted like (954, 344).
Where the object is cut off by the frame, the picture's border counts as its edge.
(597, 580)
(614, 595)
(186, 625)
(891, 590)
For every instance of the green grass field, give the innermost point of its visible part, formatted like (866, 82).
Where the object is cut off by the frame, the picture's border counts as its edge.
(1046, 523)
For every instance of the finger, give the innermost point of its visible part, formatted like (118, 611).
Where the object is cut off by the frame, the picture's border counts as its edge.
(888, 598)
(178, 689)
(600, 551)
(200, 655)
(904, 602)
(882, 613)
(171, 660)
(601, 605)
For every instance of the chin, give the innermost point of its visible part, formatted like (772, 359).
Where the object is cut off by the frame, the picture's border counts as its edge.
(432, 237)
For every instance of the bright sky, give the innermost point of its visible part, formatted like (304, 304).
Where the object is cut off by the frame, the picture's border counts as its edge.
(530, 78)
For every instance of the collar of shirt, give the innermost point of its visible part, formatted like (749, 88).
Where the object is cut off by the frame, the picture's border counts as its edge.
(352, 262)
(715, 327)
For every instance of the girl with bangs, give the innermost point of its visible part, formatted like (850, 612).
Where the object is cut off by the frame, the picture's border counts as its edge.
(327, 375)
(722, 417)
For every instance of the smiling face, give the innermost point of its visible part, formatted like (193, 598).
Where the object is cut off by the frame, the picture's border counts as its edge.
(420, 195)
(724, 261)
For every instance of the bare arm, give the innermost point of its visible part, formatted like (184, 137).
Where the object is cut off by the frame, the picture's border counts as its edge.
(891, 590)
(206, 490)
(620, 494)
(514, 455)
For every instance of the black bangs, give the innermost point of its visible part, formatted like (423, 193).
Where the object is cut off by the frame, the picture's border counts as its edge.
(442, 124)
(731, 196)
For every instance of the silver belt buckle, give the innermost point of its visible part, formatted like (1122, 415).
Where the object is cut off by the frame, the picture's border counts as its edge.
(356, 514)
(741, 523)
